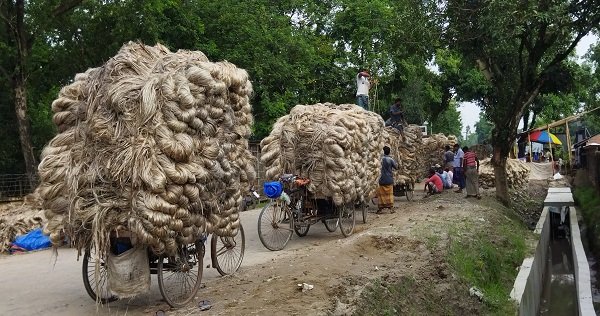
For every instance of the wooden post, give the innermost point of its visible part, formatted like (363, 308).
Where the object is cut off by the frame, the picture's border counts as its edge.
(568, 143)
(550, 148)
(530, 147)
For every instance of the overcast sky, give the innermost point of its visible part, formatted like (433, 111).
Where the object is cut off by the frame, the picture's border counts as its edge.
(469, 112)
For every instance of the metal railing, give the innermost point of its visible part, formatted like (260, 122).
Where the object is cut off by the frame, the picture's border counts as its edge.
(14, 187)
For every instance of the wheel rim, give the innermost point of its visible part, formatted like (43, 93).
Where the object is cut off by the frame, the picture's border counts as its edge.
(409, 193)
(179, 277)
(363, 208)
(275, 226)
(347, 220)
(95, 277)
(228, 252)
(301, 230)
(331, 224)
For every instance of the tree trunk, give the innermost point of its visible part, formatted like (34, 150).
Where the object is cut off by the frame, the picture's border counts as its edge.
(23, 125)
(499, 163)
(19, 86)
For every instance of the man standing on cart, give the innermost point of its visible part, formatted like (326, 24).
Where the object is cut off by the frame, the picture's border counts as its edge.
(385, 193)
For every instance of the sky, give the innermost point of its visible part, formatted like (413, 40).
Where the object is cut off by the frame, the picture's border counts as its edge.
(469, 112)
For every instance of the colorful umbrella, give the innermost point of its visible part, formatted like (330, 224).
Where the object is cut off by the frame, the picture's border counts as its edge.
(544, 137)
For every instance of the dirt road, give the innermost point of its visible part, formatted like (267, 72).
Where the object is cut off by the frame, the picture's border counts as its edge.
(339, 268)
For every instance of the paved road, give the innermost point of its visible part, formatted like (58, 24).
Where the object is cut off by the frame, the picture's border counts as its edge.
(40, 283)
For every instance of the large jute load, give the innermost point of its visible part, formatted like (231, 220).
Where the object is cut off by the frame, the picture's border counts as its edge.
(517, 173)
(405, 149)
(338, 147)
(433, 149)
(154, 142)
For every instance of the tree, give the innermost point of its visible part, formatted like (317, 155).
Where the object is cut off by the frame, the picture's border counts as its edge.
(516, 45)
(448, 122)
(483, 129)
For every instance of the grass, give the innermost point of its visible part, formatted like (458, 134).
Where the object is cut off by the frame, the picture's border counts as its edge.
(487, 259)
(400, 298)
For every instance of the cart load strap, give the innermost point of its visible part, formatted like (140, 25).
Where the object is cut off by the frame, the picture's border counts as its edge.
(272, 189)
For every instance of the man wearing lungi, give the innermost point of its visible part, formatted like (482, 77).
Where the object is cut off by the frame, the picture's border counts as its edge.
(385, 193)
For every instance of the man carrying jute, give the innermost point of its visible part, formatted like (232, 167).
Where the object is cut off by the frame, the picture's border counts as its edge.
(385, 193)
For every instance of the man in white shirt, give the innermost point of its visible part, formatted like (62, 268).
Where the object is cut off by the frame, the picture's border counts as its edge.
(459, 176)
(362, 89)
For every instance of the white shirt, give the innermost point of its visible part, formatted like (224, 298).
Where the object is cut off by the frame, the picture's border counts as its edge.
(362, 84)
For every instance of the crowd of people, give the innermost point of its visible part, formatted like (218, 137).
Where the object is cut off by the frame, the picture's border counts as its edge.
(459, 166)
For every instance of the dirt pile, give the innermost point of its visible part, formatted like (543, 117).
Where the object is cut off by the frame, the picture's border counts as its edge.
(338, 147)
(154, 142)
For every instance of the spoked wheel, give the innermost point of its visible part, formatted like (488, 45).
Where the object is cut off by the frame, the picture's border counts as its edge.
(227, 253)
(362, 207)
(347, 220)
(95, 277)
(301, 230)
(331, 224)
(179, 277)
(275, 226)
(410, 192)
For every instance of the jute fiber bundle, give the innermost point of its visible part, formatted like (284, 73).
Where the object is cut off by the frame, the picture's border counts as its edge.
(517, 174)
(434, 148)
(18, 220)
(482, 151)
(153, 142)
(338, 147)
(405, 149)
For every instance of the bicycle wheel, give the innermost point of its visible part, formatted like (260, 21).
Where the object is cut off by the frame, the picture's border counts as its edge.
(410, 192)
(347, 220)
(179, 277)
(331, 224)
(95, 277)
(363, 208)
(275, 226)
(301, 230)
(227, 253)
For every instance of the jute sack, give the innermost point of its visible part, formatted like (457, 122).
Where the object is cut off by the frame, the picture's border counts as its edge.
(128, 272)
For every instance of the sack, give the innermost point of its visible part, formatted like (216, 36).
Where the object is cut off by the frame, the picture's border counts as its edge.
(272, 189)
(128, 272)
(33, 240)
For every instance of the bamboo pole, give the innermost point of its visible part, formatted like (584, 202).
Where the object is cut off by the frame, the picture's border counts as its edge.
(530, 147)
(568, 143)
(550, 148)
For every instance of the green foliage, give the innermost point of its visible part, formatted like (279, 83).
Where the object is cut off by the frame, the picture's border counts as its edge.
(487, 259)
(588, 201)
(448, 122)
(519, 53)
(483, 129)
(296, 52)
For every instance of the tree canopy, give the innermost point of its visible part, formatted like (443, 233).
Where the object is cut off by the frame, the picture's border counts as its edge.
(296, 52)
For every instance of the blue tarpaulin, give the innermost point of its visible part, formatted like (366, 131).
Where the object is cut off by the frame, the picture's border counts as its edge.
(33, 240)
